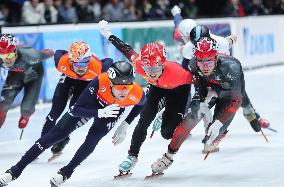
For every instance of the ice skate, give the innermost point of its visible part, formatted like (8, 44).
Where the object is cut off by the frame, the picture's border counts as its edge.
(6, 177)
(58, 148)
(58, 179)
(160, 165)
(126, 166)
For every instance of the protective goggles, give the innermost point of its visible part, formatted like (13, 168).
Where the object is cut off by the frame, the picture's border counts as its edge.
(122, 87)
(152, 69)
(8, 55)
(206, 62)
(82, 63)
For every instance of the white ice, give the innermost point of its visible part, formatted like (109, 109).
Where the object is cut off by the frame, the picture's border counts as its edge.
(245, 159)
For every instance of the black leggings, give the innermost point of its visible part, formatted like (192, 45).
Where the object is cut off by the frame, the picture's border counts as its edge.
(175, 101)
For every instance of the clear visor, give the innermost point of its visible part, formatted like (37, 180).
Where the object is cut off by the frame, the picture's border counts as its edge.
(153, 69)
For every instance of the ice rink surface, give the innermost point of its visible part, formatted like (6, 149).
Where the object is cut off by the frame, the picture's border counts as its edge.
(245, 159)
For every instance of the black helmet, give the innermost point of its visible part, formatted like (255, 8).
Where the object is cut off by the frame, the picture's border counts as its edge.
(199, 31)
(121, 72)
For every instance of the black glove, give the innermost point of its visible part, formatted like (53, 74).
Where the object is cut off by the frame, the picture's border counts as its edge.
(30, 75)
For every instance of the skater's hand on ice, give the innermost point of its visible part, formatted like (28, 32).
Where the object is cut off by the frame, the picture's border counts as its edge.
(110, 111)
(104, 29)
(175, 10)
(120, 133)
(213, 132)
(205, 113)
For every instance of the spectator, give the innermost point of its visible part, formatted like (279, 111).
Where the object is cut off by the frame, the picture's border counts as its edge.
(129, 11)
(48, 12)
(279, 8)
(15, 8)
(159, 10)
(57, 4)
(257, 8)
(113, 11)
(3, 13)
(31, 12)
(143, 12)
(84, 11)
(234, 8)
(96, 9)
(67, 13)
(189, 8)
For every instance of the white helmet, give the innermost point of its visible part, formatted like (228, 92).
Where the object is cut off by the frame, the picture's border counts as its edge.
(185, 26)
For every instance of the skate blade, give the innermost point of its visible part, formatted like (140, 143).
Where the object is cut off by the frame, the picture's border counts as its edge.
(122, 175)
(54, 156)
(52, 184)
(154, 176)
(271, 129)
(212, 151)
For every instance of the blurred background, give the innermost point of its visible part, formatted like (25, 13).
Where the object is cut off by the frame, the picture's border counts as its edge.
(19, 12)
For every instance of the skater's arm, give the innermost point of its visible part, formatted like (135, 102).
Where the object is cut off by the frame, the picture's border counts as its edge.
(136, 110)
(87, 103)
(124, 48)
(58, 54)
(230, 93)
(36, 56)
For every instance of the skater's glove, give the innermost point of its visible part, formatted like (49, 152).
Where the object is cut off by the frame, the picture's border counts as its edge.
(120, 133)
(213, 132)
(110, 111)
(206, 113)
(232, 39)
(194, 108)
(175, 10)
(30, 75)
(104, 29)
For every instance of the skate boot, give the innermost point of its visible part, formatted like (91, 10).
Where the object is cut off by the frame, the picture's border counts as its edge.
(58, 179)
(2, 118)
(211, 148)
(128, 164)
(57, 148)
(23, 122)
(252, 119)
(162, 164)
(263, 122)
(6, 178)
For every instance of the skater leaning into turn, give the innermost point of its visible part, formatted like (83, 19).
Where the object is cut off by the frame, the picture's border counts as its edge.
(165, 84)
(78, 67)
(104, 99)
(187, 32)
(25, 72)
(224, 75)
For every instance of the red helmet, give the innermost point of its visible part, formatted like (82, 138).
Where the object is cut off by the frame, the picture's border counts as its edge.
(153, 54)
(205, 48)
(8, 43)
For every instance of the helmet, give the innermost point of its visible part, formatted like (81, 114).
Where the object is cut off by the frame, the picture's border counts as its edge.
(205, 47)
(199, 32)
(121, 72)
(153, 54)
(8, 43)
(185, 26)
(80, 53)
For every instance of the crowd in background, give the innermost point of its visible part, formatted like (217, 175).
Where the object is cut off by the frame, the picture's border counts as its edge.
(17, 12)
